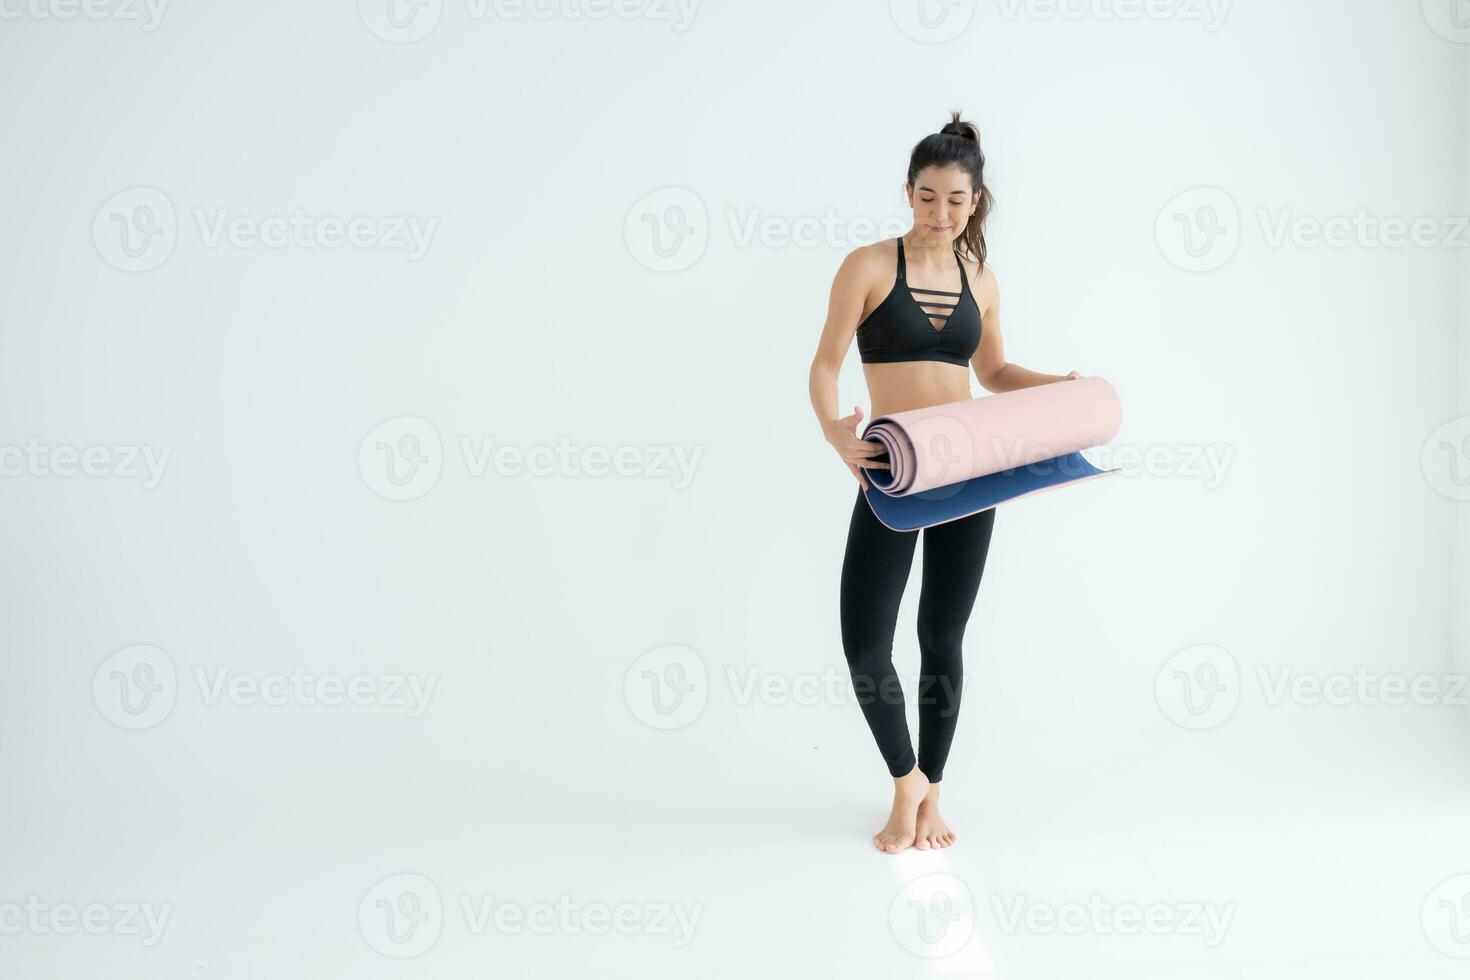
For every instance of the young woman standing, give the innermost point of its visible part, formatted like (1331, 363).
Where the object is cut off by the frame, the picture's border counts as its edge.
(920, 326)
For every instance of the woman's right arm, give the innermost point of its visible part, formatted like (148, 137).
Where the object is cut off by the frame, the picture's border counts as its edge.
(844, 307)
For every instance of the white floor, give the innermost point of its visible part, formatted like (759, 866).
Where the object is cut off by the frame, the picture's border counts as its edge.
(1156, 867)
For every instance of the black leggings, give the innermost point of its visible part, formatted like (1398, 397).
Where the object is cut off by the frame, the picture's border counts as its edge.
(875, 570)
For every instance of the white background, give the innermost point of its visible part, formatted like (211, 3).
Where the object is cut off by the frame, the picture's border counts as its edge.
(556, 159)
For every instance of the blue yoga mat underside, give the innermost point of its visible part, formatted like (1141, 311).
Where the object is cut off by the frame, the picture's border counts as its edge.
(956, 500)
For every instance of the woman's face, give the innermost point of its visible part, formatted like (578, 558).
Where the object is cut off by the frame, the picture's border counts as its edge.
(942, 202)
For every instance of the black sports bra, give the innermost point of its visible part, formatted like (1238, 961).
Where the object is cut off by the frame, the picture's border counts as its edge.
(899, 328)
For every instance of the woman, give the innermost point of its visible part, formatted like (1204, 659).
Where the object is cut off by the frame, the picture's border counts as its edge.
(918, 324)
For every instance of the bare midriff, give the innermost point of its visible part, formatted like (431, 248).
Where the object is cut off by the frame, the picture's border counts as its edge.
(898, 386)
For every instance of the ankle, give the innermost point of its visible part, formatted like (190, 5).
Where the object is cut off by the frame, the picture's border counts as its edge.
(914, 783)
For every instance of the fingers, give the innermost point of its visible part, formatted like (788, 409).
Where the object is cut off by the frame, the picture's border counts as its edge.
(860, 458)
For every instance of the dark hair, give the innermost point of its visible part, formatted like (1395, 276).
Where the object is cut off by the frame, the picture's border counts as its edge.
(958, 143)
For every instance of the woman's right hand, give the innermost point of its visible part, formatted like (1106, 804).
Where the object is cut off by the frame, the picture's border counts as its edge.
(856, 453)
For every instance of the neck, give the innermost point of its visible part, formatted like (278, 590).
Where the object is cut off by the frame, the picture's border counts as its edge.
(927, 248)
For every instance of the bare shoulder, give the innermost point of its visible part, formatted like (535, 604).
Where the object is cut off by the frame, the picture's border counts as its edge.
(873, 258)
(868, 265)
(983, 284)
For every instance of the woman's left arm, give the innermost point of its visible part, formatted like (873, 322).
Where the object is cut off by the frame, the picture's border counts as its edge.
(989, 361)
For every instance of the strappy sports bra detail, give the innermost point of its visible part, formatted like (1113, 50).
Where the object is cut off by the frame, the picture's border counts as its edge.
(901, 329)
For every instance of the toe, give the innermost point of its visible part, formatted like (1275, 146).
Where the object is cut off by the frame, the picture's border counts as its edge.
(922, 844)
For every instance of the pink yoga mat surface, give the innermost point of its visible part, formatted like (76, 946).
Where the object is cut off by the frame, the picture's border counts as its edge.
(958, 458)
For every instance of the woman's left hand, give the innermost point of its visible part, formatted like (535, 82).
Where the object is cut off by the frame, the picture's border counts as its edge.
(1071, 376)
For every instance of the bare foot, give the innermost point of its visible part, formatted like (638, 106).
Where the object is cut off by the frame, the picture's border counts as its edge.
(930, 830)
(908, 793)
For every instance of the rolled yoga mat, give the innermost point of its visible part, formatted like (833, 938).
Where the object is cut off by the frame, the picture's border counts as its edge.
(953, 460)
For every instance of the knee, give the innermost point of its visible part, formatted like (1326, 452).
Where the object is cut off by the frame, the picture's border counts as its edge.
(867, 644)
(868, 657)
(941, 640)
(870, 666)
